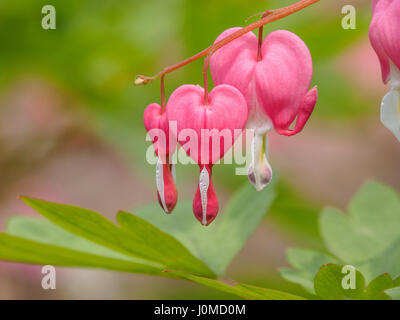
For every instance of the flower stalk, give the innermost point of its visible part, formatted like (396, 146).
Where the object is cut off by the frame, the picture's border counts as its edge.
(270, 16)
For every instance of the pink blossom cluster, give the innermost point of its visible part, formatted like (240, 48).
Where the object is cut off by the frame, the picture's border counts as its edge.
(259, 86)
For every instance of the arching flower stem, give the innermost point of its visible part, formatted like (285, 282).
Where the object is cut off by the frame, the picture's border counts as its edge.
(273, 16)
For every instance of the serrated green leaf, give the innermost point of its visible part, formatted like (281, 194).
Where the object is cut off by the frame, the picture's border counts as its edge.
(306, 264)
(328, 283)
(94, 227)
(218, 244)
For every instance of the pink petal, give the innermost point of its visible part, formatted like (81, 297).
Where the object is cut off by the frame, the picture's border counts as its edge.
(226, 112)
(283, 77)
(384, 34)
(234, 64)
(156, 124)
(305, 111)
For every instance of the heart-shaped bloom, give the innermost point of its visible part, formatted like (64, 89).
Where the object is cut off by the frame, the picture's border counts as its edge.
(276, 87)
(384, 34)
(156, 123)
(206, 132)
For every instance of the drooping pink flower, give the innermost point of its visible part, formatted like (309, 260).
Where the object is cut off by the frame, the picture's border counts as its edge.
(276, 88)
(156, 123)
(384, 34)
(206, 132)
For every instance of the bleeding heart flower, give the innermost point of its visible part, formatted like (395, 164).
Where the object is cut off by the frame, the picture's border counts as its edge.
(156, 124)
(275, 86)
(206, 132)
(384, 34)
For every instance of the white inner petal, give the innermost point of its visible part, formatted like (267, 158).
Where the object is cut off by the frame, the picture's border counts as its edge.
(256, 152)
(390, 116)
(260, 171)
(160, 183)
(204, 183)
(394, 77)
(390, 113)
(173, 172)
(257, 119)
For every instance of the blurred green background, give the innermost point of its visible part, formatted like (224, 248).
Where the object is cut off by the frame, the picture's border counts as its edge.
(71, 126)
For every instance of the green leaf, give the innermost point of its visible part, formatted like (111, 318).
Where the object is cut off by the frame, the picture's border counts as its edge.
(240, 290)
(144, 232)
(44, 231)
(328, 283)
(306, 264)
(94, 227)
(376, 288)
(43, 251)
(294, 214)
(17, 249)
(394, 293)
(369, 237)
(260, 293)
(218, 244)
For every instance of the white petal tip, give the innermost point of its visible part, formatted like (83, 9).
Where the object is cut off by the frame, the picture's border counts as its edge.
(390, 113)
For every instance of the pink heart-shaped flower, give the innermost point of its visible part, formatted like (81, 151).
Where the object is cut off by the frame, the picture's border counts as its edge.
(198, 126)
(275, 82)
(277, 85)
(206, 132)
(156, 124)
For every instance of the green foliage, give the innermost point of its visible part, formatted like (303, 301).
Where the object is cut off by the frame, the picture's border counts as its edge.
(149, 242)
(26, 251)
(370, 231)
(367, 239)
(219, 243)
(94, 227)
(328, 283)
(306, 264)
(92, 58)
(296, 215)
(242, 290)
(394, 293)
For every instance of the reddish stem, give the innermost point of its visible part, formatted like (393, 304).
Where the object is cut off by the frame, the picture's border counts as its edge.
(260, 41)
(205, 75)
(275, 15)
(163, 104)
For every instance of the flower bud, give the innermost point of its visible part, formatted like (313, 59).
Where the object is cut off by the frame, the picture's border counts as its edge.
(205, 203)
(166, 189)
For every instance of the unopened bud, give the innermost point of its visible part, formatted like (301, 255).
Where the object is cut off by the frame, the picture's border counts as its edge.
(205, 203)
(140, 81)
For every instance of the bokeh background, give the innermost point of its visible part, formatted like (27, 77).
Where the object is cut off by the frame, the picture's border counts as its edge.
(71, 126)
